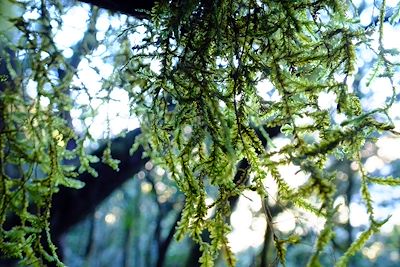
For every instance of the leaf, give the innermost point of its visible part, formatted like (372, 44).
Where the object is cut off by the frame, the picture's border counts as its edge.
(287, 129)
(72, 183)
(356, 246)
(390, 181)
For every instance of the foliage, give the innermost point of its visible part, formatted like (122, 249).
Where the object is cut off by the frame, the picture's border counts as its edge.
(201, 114)
(201, 110)
(35, 134)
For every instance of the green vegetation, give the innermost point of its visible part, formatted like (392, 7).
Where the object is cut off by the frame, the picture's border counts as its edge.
(202, 114)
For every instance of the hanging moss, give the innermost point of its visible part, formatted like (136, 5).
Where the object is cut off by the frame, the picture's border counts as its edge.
(213, 54)
(200, 115)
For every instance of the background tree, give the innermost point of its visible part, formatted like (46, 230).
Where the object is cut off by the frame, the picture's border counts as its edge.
(202, 106)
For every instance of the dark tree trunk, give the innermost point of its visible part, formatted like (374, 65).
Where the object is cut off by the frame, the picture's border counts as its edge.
(70, 206)
(137, 8)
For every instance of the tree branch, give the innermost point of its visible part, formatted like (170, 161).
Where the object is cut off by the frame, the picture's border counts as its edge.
(71, 206)
(134, 8)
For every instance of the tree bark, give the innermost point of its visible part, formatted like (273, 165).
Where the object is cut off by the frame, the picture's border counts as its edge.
(138, 9)
(70, 206)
